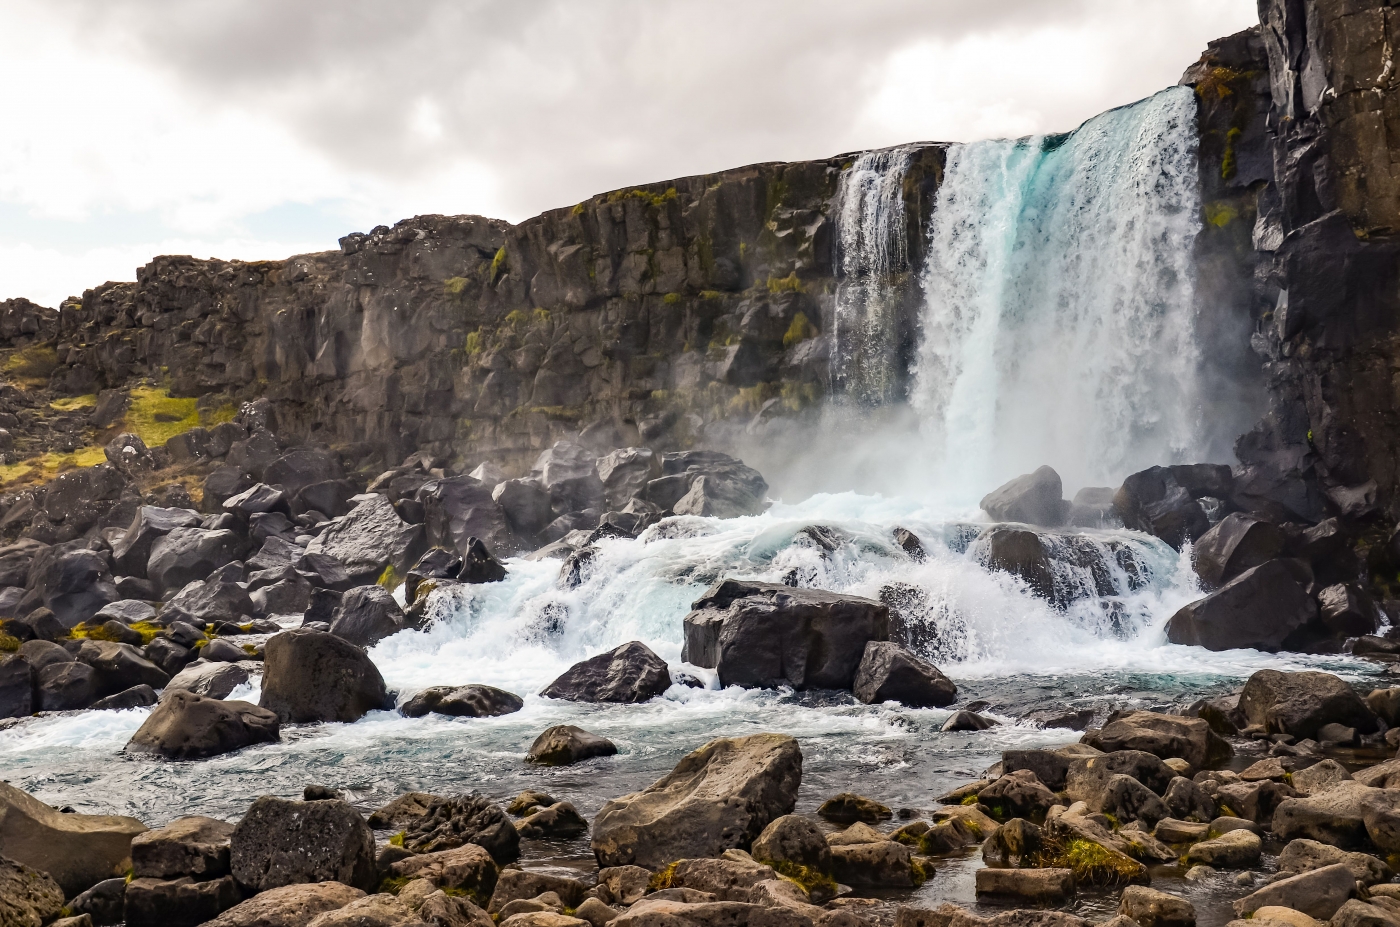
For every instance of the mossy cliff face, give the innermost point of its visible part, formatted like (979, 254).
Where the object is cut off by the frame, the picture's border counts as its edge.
(646, 314)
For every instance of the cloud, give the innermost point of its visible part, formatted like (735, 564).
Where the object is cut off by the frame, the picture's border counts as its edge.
(187, 122)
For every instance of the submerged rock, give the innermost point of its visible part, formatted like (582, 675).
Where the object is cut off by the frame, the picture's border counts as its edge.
(565, 744)
(476, 701)
(185, 726)
(630, 674)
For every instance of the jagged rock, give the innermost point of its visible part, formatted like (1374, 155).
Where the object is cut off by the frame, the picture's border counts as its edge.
(1238, 849)
(1049, 766)
(65, 686)
(290, 596)
(177, 903)
(1336, 816)
(1164, 736)
(1263, 608)
(475, 701)
(28, 897)
(730, 489)
(367, 615)
(403, 810)
(525, 504)
(560, 820)
(1187, 801)
(435, 564)
(142, 696)
(257, 499)
(223, 482)
(625, 473)
(1347, 611)
(1320, 777)
(1305, 855)
(316, 676)
(1318, 893)
(478, 565)
(118, 667)
(282, 842)
(1035, 886)
(565, 744)
(370, 538)
(74, 584)
(719, 797)
(185, 726)
(210, 601)
(630, 674)
(1033, 499)
(1299, 704)
(1237, 543)
(184, 555)
(1163, 501)
(452, 822)
(888, 672)
(1018, 795)
(762, 635)
(190, 846)
(127, 611)
(288, 906)
(330, 498)
(132, 550)
(76, 850)
(1087, 777)
(467, 868)
(304, 466)
(457, 509)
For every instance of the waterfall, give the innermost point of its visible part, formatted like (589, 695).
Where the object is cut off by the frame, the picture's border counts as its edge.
(873, 252)
(1059, 319)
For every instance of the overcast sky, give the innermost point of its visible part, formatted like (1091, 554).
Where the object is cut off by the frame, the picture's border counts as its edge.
(263, 128)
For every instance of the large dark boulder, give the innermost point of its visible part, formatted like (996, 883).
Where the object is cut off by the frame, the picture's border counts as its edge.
(80, 499)
(370, 538)
(1165, 501)
(625, 474)
(1347, 611)
(132, 550)
(210, 601)
(525, 504)
(565, 744)
(74, 584)
(1033, 499)
(118, 667)
(453, 822)
(630, 673)
(720, 797)
(1298, 704)
(761, 635)
(65, 687)
(185, 726)
(730, 488)
(889, 673)
(459, 508)
(303, 467)
(479, 566)
(315, 676)
(186, 554)
(181, 902)
(436, 564)
(1237, 543)
(16, 688)
(282, 842)
(367, 615)
(463, 702)
(1266, 608)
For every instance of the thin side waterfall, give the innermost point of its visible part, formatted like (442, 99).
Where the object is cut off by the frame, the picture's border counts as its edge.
(873, 251)
(1059, 326)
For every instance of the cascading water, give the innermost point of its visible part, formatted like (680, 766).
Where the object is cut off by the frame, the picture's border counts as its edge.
(873, 250)
(1059, 325)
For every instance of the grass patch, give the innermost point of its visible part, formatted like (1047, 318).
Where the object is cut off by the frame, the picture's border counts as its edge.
(499, 265)
(394, 884)
(397, 839)
(155, 416)
(800, 330)
(97, 632)
(1096, 865)
(74, 403)
(47, 466)
(390, 578)
(454, 286)
(788, 284)
(33, 365)
(224, 413)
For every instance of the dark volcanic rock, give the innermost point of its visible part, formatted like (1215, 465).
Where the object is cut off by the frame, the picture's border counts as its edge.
(190, 846)
(370, 538)
(16, 688)
(1164, 501)
(436, 563)
(452, 822)
(459, 508)
(179, 902)
(186, 726)
(28, 897)
(765, 635)
(132, 550)
(118, 667)
(1164, 736)
(367, 615)
(205, 602)
(65, 686)
(315, 676)
(1347, 611)
(1299, 704)
(186, 554)
(142, 696)
(1263, 608)
(629, 674)
(713, 484)
(478, 566)
(565, 744)
(463, 702)
(525, 504)
(288, 842)
(1239, 542)
(74, 584)
(889, 673)
(1033, 499)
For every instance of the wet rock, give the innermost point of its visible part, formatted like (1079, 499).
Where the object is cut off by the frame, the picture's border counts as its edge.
(184, 555)
(16, 688)
(453, 822)
(315, 676)
(730, 489)
(1163, 501)
(221, 650)
(525, 504)
(718, 797)
(761, 635)
(118, 667)
(28, 897)
(1126, 799)
(1049, 766)
(288, 906)
(1148, 907)
(1318, 893)
(403, 810)
(1262, 608)
(1239, 542)
(1034, 886)
(369, 538)
(1347, 611)
(457, 509)
(1305, 855)
(282, 842)
(522, 885)
(963, 720)
(435, 564)
(1299, 704)
(142, 696)
(1033, 499)
(559, 821)
(879, 863)
(478, 565)
(625, 473)
(1018, 795)
(185, 726)
(132, 550)
(1255, 801)
(367, 615)
(211, 601)
(793, 840)
(1164, 736)
(848, 808)
(1187, 801)
(565, 744)
(190, 846)
(1238, 849)
(467, 868)
(630, 674)
(888, 672)
(178, 903)
(475, 701)
(65, 686)
(76, 850)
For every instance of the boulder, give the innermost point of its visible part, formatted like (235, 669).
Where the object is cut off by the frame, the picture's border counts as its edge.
(291, 596)
(329, 498)
(1318, 893)
(1164, 501)
(288, 906)
(103, 904)
(1164, 736)
(258, 499)
(404, 810)
(118, 667)
(28, 897)
(1347, 611)
(1237, 543)
(728, 879)
(1263, 608)
(849, 808)
(190, 846)
(435, 564)
(1187, 801)
(65, 687)
(1175, 830)
(77, 850)
(1237, 849)
(302, 467)
(963, 720)
(560, 820)
(474, 701)
(1335, 817)
(525, 504)
(73, 584)
(1305, 855)
(1087, 777)
(1299, 704)
(1379, 912)
(1034, 886)
(1021, 795)
(478, 565)
(16, 688)
(184, 555)
(1148, 907)
(793, 840)
(630, 674)
(1320, 777)
(878, 863)
(142, 696)
(370, 538)
(720, 797)
(625, 474)
(313, 676)
(565, 744)
(467, 868)
(452, 822)
(205, 602)
(282, 842)
(1384, 775)
(132, 550)
(178, 903)
(185, 726)
(623, 885)
(1033, 499)
(889, 673)
(522, 885)
(761, 635)
(1126, 799)
(1049, 766)
(367, 615)
(457, 509)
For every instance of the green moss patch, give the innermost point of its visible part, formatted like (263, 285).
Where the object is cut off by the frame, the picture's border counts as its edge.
(74, 403)
(155, 416)
(800, 330)
(814, 881)
(32, 364)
